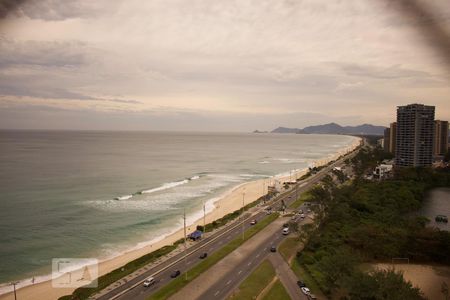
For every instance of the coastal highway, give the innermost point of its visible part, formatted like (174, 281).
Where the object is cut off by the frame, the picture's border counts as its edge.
(133, 289)
(249, 261)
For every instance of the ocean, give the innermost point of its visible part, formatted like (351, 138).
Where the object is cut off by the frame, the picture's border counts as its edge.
(98, 194)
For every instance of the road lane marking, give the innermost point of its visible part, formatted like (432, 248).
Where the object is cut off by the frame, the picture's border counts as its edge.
(229, 281)
(216, 293)
(240, 272)
(257, 255)
(249, 263)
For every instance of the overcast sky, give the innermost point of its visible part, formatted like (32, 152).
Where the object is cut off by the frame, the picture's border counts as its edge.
(216, 65)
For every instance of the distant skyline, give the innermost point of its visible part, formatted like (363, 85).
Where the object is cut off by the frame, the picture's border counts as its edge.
(215, 65)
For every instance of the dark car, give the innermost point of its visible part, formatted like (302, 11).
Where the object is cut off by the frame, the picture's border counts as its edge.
(301, 284)
(175, 273)
(204, 255)
(273, 249)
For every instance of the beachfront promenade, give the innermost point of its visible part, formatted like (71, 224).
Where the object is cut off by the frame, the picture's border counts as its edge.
(133, 289)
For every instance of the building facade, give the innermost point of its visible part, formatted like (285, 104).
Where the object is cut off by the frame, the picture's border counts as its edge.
(392, 137)
(440, 146)
(386, 140)
(414, 136)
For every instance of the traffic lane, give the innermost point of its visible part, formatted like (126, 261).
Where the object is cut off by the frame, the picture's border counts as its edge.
(287, 197)
(194, 250)
(141, 292)
(232, 280)
(227, 284)
(191, 261)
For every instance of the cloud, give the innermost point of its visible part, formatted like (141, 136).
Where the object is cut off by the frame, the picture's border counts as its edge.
(324, 58)
(54, 10)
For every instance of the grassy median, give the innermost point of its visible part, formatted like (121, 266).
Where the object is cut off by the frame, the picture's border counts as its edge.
(277, 292)
(251, 287)
(303, 197)
(177, 284)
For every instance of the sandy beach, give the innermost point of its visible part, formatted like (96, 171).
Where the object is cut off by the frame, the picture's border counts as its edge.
(227, 203)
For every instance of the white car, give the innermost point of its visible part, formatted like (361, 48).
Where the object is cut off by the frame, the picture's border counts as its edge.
(305, 290)
(149, 281)
(302, 216)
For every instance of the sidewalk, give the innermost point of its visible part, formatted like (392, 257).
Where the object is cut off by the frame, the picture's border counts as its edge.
(287, 277)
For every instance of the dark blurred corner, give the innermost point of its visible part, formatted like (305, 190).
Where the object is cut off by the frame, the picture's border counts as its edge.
(427, 25)
(6, 6)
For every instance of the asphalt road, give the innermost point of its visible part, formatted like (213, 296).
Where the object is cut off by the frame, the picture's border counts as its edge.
(230, 281)
(133, 289)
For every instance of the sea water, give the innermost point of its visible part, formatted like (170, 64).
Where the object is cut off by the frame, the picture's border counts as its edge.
(98, 194)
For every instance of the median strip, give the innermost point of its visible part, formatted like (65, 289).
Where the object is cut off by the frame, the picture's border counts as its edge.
(177, 284)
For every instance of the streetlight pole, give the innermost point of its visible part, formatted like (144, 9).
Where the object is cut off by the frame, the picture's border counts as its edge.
(185, 246)
(204, 217)
(14, 285)
(243, 210)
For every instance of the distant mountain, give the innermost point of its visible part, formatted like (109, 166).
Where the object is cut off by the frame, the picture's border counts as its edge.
(287, 130)
(366, 129)
(333, 128)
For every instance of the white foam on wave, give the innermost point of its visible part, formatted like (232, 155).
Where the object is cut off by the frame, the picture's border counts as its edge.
(170, 185)
(290, 160)
(165, 186)
(7, 287)
(254, 175)
(126, 197)
(264, 162)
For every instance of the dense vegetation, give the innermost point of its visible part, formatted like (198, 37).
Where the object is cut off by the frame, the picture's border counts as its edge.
(370, 221)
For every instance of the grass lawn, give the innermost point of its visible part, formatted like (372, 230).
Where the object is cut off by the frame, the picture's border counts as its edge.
(256, 282)
(277, 292)
(303, 197)
(288, 248)
(178, 283)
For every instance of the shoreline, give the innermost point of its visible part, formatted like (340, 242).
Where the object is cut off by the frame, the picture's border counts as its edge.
(228, 202)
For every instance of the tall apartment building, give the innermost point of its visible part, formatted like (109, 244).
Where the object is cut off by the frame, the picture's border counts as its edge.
(392, 137)
(386, 140)
(414, 137)
(440, 138)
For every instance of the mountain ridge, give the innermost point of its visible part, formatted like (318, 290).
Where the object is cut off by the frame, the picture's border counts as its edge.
(334, 128)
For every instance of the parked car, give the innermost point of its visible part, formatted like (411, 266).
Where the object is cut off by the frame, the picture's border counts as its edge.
(309, 210)
(253, 222)
(302, 216)
(441, 218)
(301, 284)
(312, 297)
(285, 225)
(305, 290)
(273, 249)
(286, 231)
(149, 281)
(300, 211)
(204, 255)
(175, 273)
